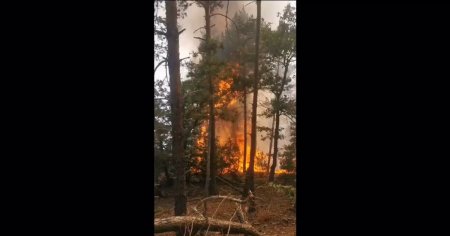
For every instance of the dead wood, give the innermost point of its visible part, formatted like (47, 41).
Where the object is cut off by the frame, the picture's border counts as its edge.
(196, 223)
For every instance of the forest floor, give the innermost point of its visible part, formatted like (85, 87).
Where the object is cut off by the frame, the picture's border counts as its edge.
(275, 214)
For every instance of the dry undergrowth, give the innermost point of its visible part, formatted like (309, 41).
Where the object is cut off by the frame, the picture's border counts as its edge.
(274, 214)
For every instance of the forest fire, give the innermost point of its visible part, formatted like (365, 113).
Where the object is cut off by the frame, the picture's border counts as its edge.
(223, 96)
(229, 123)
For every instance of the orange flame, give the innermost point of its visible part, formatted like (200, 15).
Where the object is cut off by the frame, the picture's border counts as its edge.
(227, 99)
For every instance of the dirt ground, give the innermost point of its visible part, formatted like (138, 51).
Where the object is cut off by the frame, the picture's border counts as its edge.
(275, 213)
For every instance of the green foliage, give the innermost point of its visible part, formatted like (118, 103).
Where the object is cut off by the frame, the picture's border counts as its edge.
(162, 128)
(288, 157)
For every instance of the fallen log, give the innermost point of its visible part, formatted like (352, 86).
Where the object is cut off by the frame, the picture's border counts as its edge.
(196, 223)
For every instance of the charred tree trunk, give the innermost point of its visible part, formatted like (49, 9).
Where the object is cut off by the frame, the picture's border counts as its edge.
(176, 103)
(249, 183)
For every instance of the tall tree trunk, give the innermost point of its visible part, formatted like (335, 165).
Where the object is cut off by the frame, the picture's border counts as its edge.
(212, 126)
(176, 103)
(270, 146)
(250, 185)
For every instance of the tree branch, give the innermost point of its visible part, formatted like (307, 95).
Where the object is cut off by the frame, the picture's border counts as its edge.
(160, 63)
(184, 58)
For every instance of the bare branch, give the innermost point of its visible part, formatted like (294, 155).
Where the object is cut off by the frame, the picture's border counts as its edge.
(160, 63)
(184, 58)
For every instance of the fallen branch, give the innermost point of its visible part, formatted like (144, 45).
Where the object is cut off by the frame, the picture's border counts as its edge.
(176, 222)
(229, 185)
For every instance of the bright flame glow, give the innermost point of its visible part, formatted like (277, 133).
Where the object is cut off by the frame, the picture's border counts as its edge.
(233, 130)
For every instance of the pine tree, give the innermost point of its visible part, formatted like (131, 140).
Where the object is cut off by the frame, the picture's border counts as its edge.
(176, 104)
(249, 180)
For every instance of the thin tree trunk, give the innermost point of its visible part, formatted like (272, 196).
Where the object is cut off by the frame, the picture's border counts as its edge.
(270, 146)
(250, 185)
(176, 102)
(277, 121)
(208, 162)
(275, 146)
(245, 128)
